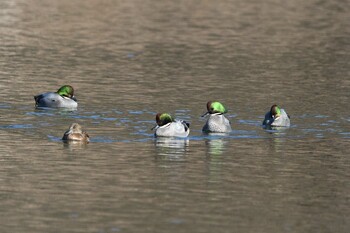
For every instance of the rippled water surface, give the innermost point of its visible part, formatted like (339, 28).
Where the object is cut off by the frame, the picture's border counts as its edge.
(128, 60)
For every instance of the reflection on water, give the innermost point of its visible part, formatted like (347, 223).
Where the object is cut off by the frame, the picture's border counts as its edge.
(215, 146)
(277, 141)
(277, 138)
(75, 145)
(215, 143)
(127, 61)
(171, 147)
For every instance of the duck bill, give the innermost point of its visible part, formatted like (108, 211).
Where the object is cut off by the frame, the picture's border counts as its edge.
(70, 131)
(205, 114)
(75, 99)
(276, 117)
(154, 127)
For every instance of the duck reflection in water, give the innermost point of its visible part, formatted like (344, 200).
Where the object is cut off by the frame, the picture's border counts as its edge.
(216, 143)
(277, 137)
(172, 147)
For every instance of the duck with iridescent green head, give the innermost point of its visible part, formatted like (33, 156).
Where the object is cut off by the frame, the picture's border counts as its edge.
(217, 122)
(276, 117)
(167, 126)
(63, 98)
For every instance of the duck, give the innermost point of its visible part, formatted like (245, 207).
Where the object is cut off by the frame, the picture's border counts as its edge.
(63, 98)
(217, 122)
(75, 133)
(276, 117)
(167, 126)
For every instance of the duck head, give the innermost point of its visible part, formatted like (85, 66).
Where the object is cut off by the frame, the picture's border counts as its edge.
(67, 91)
(75, 128)
(275, 111)
(163, 119)
(214, 107)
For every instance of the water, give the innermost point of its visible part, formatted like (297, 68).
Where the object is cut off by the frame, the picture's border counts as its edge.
(128, 60)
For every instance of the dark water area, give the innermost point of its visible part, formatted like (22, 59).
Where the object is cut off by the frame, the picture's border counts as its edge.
(128, 60)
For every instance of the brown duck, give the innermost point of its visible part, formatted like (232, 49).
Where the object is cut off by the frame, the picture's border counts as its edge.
(75, 133)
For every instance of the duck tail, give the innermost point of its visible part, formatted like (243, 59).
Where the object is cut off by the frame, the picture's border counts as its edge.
(186, 125)
(37, 99)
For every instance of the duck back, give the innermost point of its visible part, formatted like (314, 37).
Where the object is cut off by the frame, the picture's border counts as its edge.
(173, 129)
(282, 121)
(217, 124)
(54, 100)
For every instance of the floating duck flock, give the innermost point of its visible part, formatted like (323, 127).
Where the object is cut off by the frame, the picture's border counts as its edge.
(166, 125)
